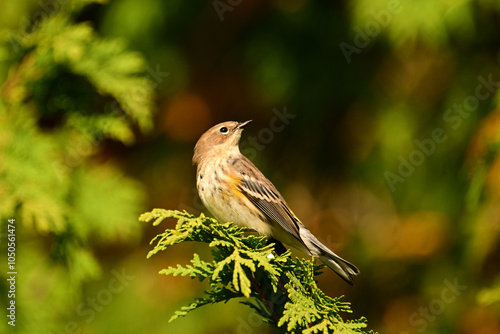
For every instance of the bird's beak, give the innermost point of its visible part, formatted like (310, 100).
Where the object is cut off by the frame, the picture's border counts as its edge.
(243, 124)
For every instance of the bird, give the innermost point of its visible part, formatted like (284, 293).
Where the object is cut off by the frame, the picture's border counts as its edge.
(234, 190)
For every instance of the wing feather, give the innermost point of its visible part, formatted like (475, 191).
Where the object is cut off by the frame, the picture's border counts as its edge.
(262, 193)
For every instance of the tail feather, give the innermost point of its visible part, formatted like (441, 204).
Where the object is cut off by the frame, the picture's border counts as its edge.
(343, 268)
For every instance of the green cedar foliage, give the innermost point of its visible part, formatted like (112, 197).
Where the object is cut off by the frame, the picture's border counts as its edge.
(64, 92)
(281, 290)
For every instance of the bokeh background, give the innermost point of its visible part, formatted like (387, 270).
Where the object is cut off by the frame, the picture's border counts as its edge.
(378, 120)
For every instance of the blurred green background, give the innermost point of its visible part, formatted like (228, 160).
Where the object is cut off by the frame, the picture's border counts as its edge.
(378, 120)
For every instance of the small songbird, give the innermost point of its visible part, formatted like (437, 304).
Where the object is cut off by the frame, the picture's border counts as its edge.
(234, 190)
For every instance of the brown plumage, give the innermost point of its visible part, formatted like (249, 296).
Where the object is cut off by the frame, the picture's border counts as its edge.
(234, 190)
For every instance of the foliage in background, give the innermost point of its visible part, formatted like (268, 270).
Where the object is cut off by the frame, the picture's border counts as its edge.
(281, 290)
(416, 61)
(66, 92)
(463, 172)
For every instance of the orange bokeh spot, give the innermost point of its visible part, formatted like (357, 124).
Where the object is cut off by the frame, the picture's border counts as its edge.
(186, 117)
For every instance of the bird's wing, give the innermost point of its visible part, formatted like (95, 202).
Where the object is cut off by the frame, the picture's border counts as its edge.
(262, 193)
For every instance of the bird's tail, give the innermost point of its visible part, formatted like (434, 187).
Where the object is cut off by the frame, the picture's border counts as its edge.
(343, 268)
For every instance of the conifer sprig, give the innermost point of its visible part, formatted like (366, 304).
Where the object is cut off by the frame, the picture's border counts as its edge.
(280, 289)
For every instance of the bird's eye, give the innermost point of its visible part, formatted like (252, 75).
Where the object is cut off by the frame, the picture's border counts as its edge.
(223, 129)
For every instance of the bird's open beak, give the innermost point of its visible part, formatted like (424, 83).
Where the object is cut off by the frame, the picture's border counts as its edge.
(243, 124)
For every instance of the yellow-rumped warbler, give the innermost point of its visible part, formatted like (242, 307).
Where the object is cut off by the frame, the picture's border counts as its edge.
(234, 190)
